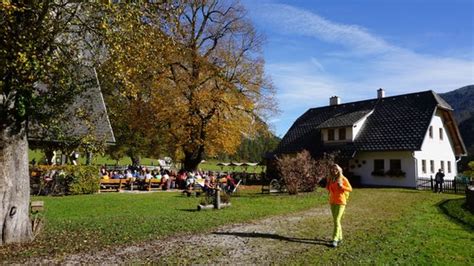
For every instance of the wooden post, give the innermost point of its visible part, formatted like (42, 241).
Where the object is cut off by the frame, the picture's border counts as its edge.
(431, 182)
(218, 198)
(455, 187)
(37, 206)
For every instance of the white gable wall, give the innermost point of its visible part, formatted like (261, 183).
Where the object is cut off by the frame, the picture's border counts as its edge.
(437, 150)
(325, 134)
(363, 166)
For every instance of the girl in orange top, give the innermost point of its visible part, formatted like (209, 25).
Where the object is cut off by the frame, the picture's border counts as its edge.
(339, 188)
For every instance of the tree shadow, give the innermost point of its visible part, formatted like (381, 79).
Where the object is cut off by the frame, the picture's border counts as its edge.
(313, 241)
(444, 209)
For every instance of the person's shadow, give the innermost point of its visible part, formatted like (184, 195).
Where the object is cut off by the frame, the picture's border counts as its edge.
(313, 241)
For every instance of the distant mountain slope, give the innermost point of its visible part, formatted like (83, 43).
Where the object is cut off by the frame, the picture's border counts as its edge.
(462, 101)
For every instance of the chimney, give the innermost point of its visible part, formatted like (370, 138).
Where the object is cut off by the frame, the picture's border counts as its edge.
(334, 100)
(380, 93)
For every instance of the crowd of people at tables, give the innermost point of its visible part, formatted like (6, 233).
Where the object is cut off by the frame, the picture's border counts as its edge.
(207, 180)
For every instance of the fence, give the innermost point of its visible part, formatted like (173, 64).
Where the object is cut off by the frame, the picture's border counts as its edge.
(449, 186)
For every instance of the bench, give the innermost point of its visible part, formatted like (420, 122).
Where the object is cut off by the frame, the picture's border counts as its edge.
(196, 189)
(112, 185)
(152, 183)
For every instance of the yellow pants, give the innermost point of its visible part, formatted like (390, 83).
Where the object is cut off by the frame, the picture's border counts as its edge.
(337, 212)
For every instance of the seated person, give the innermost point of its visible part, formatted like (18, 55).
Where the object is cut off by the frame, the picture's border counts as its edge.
(103, 173)
(148, 174)
(208, 186)
(230, 184)
(181, 180)
(190, 181)
(165, 182)
(128, 174)
(120, 174)
(115, 175)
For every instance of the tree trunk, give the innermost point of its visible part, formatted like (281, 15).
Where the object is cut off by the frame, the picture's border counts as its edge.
(192, 160)
(135, 160)
(88, 158)
(15, 224)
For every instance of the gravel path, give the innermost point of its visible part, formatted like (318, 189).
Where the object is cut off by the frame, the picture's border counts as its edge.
(260, 242)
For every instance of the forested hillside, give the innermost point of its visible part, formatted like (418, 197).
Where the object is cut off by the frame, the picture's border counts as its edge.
(462, 101)
(252, 150)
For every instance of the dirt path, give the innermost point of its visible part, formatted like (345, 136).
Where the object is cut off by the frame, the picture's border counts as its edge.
(260, 242)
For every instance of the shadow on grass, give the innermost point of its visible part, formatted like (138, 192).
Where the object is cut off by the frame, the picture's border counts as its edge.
(188, 210)
(442, 206)
(277, 237)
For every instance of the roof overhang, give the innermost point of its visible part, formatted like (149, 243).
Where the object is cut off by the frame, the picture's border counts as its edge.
(451, 125)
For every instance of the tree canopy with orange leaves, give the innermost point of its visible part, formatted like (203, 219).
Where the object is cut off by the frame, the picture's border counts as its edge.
(188, 75)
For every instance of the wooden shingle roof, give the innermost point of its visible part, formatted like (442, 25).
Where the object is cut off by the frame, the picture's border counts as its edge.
(91, 103)
(397, 123)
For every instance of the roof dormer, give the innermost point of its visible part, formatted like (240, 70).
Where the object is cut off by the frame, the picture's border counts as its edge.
(343, 127)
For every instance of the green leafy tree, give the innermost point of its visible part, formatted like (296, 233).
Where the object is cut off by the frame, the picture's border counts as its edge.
(41, 50)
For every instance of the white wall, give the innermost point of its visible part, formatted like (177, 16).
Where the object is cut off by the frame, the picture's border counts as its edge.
(325, 134)
(437, 150)
(364, 170)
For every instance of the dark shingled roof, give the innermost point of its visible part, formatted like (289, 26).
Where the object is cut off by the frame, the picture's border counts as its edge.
(397, 123)
(344, 120)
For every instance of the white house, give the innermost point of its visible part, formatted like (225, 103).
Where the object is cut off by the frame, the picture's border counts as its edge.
(387, 141)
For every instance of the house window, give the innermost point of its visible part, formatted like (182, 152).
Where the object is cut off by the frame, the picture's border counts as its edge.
(449, 167)
(331, 134)
(342, 134)
(442, 165)
(379, 168)
(432, 166)
(396, 165)
(423, 166)
(395, 168)
(431, 131)
(441, 134)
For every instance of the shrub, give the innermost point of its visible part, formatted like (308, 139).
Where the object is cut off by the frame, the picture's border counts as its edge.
(64, 180)
(378, 173)
(301, 172)
(82, 179)
(470, 173)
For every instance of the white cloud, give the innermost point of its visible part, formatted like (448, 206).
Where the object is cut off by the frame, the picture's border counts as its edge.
(301, 84)
(298, 21)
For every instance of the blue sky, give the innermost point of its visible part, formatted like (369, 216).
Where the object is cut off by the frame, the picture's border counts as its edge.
(317, 49)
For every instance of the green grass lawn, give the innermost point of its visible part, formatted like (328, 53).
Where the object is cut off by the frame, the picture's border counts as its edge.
(78, 223)
(381, 226)
(395, 226)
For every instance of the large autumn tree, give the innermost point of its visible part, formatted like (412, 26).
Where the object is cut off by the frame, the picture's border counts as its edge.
(196, 67)
(41, 54)
(218, 87)
(137, 50)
